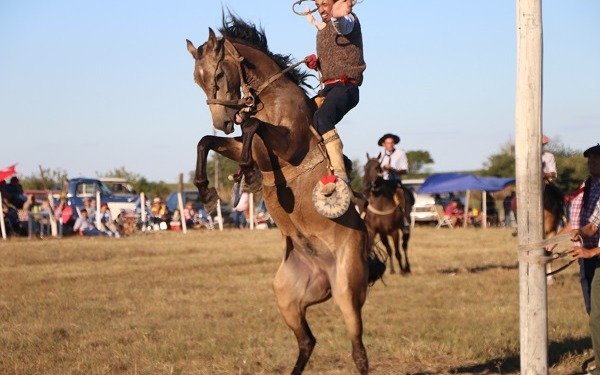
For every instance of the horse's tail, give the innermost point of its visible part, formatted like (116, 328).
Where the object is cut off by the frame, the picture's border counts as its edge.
(376, 259)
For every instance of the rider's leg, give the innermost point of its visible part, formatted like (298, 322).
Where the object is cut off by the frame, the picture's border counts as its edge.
(339, 99)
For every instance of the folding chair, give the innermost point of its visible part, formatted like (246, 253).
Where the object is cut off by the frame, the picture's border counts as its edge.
(443, 220)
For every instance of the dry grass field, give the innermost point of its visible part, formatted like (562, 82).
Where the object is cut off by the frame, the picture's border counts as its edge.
(202, 303)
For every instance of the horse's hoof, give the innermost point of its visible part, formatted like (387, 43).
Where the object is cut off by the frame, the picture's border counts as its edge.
(209, 197)
(252, 182)
(392, 272)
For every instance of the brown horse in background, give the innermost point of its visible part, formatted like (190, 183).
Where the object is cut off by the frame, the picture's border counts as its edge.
(321, 258)
(384, 217)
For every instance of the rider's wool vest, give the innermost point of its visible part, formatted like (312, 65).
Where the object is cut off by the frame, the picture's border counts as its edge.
(341, 55)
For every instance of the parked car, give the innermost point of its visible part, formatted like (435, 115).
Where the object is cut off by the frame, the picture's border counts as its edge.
(118, 186)
(81, 188)
(424, 207)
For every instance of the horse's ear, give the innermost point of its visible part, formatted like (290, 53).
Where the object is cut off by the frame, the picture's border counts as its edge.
(211, 34)
(378, 156)
(368, 157)
(192, 49)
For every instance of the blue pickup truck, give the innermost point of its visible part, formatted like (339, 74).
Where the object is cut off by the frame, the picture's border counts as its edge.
(81, 188)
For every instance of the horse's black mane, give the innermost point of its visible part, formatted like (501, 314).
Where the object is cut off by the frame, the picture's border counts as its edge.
(238, 29)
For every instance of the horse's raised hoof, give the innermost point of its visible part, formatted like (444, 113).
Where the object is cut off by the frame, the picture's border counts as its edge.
(209, 197)
(252, 181)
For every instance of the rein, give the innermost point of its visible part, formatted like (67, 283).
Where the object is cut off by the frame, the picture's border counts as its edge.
(247, 103)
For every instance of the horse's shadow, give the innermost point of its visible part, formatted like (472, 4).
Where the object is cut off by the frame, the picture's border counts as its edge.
(511, 363)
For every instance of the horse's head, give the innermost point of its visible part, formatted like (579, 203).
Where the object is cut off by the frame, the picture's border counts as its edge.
(217, 72)
(372, 171)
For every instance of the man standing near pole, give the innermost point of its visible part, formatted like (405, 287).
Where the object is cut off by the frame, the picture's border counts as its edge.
(589, 252)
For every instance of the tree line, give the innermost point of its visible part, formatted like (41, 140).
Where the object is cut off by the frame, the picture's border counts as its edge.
(571, 165)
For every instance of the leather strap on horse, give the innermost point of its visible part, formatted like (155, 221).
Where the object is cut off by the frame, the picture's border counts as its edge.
(248, 101)
(289, 172)
(381, 213)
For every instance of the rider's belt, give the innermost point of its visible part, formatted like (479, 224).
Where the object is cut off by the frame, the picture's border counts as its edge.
(343, 79)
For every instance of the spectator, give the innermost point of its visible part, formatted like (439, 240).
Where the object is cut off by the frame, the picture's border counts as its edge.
(507, 205)
(549, 172)
(85, 227)
(107, 223)
(90, 205)
(189, 214)
(15, 194)
(11, 218)
(454, 212)
(591, 196)
(239, 206)
(159, 214)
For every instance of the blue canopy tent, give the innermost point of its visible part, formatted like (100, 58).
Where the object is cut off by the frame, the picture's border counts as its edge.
(452, 182)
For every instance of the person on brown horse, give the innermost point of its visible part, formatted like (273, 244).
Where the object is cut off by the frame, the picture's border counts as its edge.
(341, 64)
(394, 163)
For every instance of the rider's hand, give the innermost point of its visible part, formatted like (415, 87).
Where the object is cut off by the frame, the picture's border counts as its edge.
(341, 8)
(312, 61)
(581, 252)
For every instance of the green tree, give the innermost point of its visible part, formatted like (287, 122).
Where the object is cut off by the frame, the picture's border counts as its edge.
(417, 159)
(121, 172)
(501, 164)
(54, 180)
(570, 163)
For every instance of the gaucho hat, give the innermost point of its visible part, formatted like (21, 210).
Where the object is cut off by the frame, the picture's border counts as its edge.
(386, 136)
(592, 150)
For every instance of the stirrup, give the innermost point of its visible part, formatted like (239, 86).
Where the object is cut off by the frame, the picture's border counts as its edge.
(335, 204)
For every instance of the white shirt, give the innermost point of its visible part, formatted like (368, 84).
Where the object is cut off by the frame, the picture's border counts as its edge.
(397, 160)
(548, 163)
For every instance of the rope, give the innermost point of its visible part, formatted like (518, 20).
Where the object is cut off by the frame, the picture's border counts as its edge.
(544, 259)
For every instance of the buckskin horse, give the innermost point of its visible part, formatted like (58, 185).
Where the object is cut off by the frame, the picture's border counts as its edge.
(322, 258)
(384, 216)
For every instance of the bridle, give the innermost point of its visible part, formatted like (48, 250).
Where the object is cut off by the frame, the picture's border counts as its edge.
(250, 96)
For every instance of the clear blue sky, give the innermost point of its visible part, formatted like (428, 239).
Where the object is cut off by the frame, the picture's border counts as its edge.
(91, 86)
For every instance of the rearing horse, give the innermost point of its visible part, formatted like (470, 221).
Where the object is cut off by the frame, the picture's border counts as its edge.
(384, 216)
(322, 258)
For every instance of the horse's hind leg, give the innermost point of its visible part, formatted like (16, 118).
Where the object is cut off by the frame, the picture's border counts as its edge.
(349, 293)
(396, 241)
(296, 287)
(384, 240)
(405, 237)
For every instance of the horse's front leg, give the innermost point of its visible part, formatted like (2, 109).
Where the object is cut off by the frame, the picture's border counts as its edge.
(230, 148)
(252, 177)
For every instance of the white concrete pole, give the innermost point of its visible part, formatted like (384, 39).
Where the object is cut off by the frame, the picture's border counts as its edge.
(484, 208)
(2, 226)
(143, 216)
(466, 208)
(180, 201)
(180, 205)
(528, 122)
(251, 209)
(98, 223)
(219, 215)
(51, 216)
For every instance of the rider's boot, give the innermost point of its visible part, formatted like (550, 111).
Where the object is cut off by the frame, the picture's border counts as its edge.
(334, 146)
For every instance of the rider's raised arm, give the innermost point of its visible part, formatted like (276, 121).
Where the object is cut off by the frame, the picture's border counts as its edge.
(344, 25)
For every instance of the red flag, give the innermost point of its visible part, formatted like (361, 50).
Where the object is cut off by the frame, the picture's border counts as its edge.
(8, 172)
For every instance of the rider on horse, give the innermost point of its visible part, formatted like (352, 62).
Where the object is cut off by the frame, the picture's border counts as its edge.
(394, 163)
(341, 64)
(548, 163)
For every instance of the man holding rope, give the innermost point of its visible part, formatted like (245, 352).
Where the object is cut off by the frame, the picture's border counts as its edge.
(590, 250)
(341, 64)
